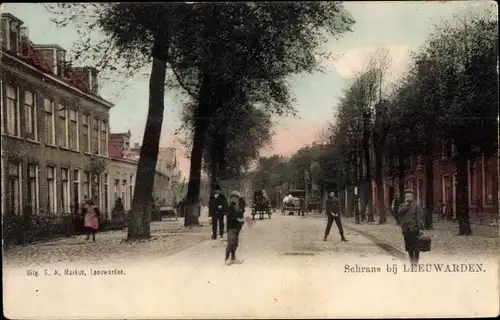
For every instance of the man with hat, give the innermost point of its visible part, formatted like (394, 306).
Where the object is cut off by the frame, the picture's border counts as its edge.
(410, 218)
(217, 208)
(332, 208)
(235, 220)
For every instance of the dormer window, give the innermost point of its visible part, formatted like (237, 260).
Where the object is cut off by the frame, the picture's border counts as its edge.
(14, 37)
(5, 31)
(61, 63)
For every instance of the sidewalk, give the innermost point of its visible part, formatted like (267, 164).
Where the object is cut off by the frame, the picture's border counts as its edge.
(445, 242)
(167, 237)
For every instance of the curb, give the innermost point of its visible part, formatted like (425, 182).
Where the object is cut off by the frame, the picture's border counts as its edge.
(393, 251)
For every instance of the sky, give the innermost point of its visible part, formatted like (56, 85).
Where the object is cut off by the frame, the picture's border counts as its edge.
(399, 27)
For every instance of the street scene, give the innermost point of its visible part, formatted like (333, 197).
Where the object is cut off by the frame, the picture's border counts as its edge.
(250, 160)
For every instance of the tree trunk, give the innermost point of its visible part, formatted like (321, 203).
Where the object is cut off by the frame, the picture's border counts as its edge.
(368, 204)
(357, 188)
(462, 189)
(379, 182)
(201, 124)
(140, 219)
(429, 187)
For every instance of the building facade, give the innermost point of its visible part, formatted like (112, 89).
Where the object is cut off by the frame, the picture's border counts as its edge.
(482, 180)
(55, 134)
(122, 174)
(54, 128)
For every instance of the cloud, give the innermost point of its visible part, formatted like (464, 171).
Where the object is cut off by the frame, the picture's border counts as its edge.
(352, 61)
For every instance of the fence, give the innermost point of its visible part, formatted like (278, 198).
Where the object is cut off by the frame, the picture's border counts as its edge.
(24, 229)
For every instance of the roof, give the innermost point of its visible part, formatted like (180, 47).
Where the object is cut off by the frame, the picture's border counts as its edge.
(11, 16)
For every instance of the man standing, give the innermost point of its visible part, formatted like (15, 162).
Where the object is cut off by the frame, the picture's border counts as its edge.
(410, 217)
(217, 208)
(332, 208)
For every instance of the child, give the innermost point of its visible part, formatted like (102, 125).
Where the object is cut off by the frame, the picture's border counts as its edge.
(91, 222)
(234, 224)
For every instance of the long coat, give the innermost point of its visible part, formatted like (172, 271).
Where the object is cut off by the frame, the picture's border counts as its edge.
(410, 216)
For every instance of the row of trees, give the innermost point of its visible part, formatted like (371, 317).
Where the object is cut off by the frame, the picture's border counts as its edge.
(230, 61)
(448, 97)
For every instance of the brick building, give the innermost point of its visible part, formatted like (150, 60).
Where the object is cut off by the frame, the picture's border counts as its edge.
(54, 128)
(55, 133)
(483, 183)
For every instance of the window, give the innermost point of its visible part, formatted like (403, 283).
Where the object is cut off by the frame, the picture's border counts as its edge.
(62, 127)
(4, 33)
(131, 189)
(30, 128)
(14, 37)
(447, 191)
(14, 189)
(75, 193)
(104, 138)
(96, 189)
(420, 162)
(488, 183)
(33, 188)
(86, 133)
(124, 192)
(65, 190)
(106, 193)
(49, 121)
(447, 149)
(94, 143)
(73, 129)
(12, 111)
(86, 185)
(61, 63)
(473, 196)
(420, 192)
(116, 189)
(51, 190)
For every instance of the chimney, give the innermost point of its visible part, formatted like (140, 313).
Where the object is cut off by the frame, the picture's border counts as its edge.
(89, 76)
(25, 32)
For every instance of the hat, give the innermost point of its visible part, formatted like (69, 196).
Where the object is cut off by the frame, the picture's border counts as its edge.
(235, 194)
(216, 187)
(408, 191)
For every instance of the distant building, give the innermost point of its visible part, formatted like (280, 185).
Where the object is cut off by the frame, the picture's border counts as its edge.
(168, 179)
(119, 145)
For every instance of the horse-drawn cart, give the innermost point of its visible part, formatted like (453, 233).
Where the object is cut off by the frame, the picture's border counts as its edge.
(261, 205)
(314, 204)
(293, 203)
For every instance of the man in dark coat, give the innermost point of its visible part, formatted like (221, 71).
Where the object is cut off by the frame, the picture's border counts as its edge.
(235, 213)
(410, 218)
(217, 208)
(332, 208)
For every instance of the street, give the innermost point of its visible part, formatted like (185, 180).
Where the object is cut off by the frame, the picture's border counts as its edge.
(288, 271)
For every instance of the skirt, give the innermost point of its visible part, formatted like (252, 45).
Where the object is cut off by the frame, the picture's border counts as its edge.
(91, 221)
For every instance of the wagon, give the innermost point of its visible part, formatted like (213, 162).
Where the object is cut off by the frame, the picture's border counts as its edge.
(260, 206)
(294, 205)
(314, 204)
